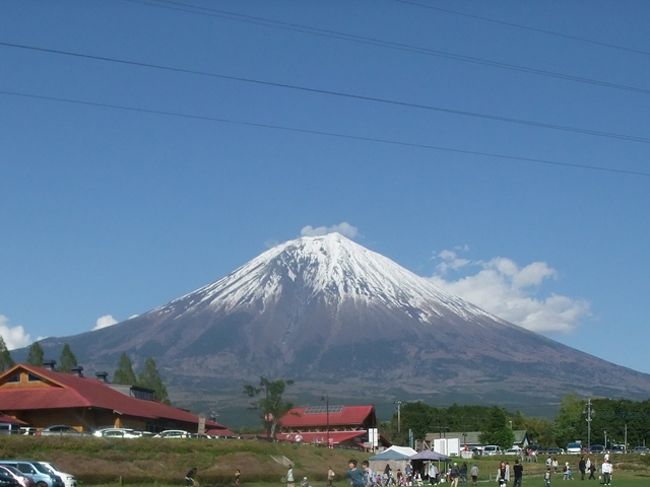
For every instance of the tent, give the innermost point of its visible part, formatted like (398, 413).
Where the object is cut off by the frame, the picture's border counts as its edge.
(395, 453)
(425, 458)
(430, 455)
(396, 457)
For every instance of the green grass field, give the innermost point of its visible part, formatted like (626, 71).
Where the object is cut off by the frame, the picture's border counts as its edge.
(163, 462)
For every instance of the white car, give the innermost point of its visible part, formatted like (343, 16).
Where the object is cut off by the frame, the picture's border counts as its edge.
(116, 433)
(491, 450)
(574, 448)
(173, 434)
(67, 478)
(515, 450)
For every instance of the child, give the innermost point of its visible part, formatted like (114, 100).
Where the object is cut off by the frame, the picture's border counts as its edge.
(547, 477)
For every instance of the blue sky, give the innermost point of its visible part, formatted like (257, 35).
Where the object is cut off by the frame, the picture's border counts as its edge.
(113, 212)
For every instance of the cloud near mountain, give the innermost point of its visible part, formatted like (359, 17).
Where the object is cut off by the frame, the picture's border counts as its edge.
(511, 292)
(14, 336)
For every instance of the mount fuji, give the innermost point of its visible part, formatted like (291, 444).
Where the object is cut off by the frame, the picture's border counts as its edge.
(341, 319)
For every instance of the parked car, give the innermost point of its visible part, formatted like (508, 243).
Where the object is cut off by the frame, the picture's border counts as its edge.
(574, 448)
(39, 478)
(68, 480)
(555, 451)
(491, 450)
(597, 449)
(59, 430)
(618, 449)
(641, 450)
(7, 480)
(173, 434)
(515, 450)
(116, 433)
(23, 480)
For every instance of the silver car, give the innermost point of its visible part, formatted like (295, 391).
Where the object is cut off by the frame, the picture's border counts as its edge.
(68, 480)
(29, 470)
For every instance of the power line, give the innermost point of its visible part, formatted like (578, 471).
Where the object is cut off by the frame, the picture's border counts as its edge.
(339, 135)
(527, 27)
(341, 94)
(310, 30)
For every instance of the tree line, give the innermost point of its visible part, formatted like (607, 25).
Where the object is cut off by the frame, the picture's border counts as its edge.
(612, 422)
(148, 377)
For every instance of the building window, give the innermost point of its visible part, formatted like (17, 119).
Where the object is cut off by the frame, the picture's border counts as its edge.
(14, 377)
(33, 378)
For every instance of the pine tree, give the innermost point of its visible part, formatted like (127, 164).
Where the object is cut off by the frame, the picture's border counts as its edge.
(67, 359)
(36, 354)
(124, 373)
(150, 378)
(6, 362)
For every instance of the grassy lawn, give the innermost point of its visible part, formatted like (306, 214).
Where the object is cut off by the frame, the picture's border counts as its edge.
(163, 462)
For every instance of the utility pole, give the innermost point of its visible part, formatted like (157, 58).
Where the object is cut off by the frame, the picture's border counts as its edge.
(605, 434)
(327, 416)
(398, 403)
(589, 411)
(625, 440)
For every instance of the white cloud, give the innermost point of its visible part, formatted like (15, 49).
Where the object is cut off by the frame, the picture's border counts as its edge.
(104, 321)
(511, 292)
(449, 260)
(14, 336)
(344, 228)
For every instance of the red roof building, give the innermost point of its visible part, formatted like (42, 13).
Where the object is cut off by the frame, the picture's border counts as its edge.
(340, 425)
(43, 397)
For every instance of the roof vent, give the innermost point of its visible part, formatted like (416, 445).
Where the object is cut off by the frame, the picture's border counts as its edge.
(102, 376)
(78, 370)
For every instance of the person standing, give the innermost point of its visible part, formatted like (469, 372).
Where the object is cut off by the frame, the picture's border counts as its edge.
(237, 477)
(330, 476)
(473, 472)
(592, 470)
(582, 466)
(355, 474)
(290, 479)
(501, 475)
(433, 473)
(463, 474)
(454, 475)
(518, 469)
(606, 470)
(547, 477)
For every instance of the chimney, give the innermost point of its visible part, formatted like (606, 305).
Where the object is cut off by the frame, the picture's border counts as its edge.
(79, 370)
(50, 365)
(102, 376)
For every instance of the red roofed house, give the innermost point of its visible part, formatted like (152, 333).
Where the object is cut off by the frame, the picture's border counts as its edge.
(341, 425)
(42, 397)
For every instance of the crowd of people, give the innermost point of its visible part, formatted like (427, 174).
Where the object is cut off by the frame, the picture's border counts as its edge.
(363, 476)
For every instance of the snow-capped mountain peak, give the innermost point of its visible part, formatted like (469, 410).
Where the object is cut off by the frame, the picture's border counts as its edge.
(330, 267)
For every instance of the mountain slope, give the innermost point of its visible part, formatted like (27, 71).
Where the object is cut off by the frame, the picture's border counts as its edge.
(340, 318)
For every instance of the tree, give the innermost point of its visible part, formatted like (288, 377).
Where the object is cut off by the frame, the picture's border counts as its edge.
(150, 378)
(497, 430)
(67, 359)
(569, 422)
(270, 404)
(35, 355)
(124, 373)
(6, 362)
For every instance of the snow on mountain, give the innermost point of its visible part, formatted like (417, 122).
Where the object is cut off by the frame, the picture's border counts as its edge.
(334, 268)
